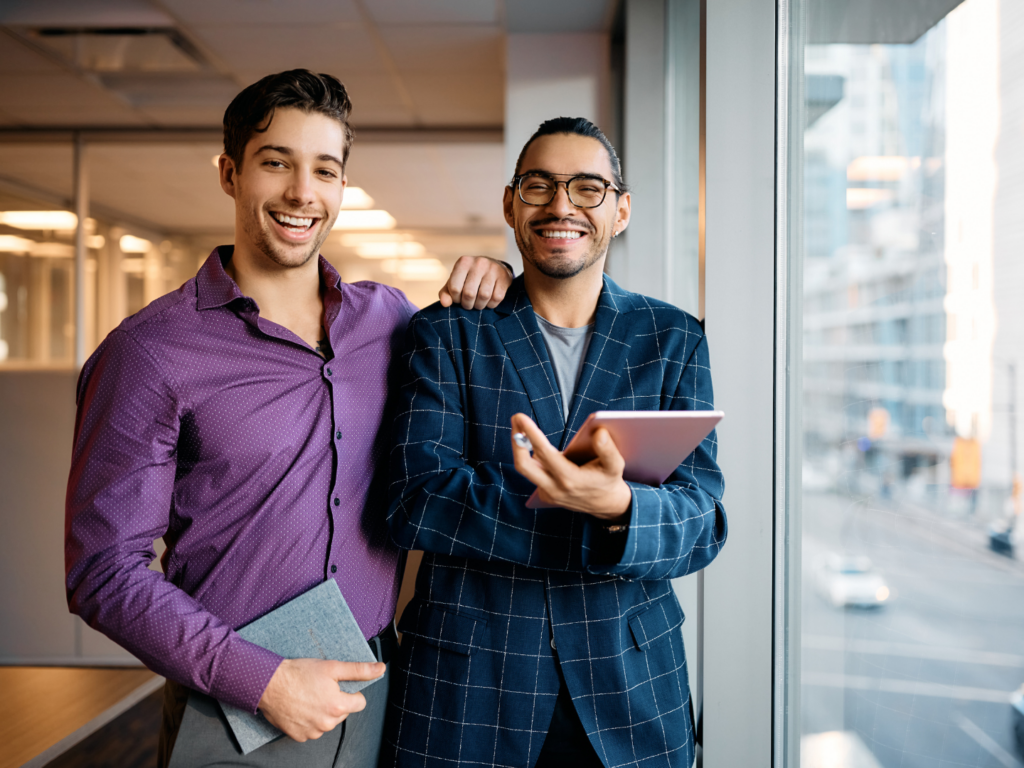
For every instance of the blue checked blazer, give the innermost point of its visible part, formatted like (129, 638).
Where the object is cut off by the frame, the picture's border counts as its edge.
(502, 586)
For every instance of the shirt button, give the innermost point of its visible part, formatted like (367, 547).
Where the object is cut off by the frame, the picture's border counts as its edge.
(334, 569)
(337, 435)
(337, 501)
(328, 371)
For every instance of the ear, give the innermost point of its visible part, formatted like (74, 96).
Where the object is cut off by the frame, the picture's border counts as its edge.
(622, 213)
(506, 204)
(228, 173)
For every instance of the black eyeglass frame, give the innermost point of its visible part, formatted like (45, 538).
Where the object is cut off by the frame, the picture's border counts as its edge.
(517, 184)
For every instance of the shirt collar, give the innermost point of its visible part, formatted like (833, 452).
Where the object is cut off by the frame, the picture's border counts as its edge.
(216, 288)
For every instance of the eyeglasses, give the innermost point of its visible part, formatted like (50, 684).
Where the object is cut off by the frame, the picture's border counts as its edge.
(540, 189)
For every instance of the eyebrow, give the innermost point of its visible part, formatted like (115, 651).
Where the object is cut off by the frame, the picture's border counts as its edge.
(541, 171)
(288, 152)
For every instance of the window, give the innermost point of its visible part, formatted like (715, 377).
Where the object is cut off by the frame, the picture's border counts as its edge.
(911, 615)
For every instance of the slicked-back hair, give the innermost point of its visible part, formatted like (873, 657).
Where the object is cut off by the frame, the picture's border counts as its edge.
(576, 126)
(296, 88)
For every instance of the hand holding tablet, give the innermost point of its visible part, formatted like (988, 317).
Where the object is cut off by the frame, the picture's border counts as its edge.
(652, 443)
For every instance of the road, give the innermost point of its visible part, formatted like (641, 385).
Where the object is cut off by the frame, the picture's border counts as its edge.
(925, 681)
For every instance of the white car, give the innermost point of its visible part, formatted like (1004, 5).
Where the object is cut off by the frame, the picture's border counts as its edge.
(851, 580)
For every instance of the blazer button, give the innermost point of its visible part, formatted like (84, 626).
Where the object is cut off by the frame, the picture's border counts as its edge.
(553, 646)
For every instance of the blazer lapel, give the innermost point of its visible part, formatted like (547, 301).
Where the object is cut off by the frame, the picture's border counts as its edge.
(524, 345)
(606, 355)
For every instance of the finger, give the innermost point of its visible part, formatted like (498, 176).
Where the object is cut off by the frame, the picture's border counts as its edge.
(497, 295)
(444, 297)
(485, 291)
(607, 452)
(457, 279)
(541, 445)
(356, 670)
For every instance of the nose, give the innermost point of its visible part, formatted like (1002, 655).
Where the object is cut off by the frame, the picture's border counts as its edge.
(560, 205)
(300, 187)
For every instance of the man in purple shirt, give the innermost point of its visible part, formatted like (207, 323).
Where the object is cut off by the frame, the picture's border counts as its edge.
(244, 419)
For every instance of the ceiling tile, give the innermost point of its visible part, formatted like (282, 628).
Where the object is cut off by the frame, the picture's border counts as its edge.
(199, 12)
(76, 13)
(335, 49)
(544, 16)
(43, 166)
(458, 97)
(433, 11)
(439, 49)
(180, 115)
(83, 115)
(18, 58)
(51, 90)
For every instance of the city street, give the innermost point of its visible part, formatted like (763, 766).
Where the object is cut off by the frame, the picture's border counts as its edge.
(924, 681)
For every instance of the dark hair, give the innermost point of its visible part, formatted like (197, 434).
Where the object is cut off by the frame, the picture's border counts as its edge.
(577, 126)
(296, 88)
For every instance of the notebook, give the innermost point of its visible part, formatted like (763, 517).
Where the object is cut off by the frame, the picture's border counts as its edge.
(315, 625)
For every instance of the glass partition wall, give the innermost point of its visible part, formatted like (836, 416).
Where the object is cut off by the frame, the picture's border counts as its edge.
(905, 234)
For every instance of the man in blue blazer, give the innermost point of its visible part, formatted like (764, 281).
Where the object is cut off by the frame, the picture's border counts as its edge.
(548, 636)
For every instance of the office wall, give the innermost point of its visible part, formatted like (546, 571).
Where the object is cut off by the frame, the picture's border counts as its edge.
(37, 417)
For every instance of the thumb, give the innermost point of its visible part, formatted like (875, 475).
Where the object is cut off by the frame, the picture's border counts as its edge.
(607, 452)
(356, 670)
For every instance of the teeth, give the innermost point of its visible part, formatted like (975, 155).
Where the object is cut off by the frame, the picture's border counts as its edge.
(293, 221)
(561, 234)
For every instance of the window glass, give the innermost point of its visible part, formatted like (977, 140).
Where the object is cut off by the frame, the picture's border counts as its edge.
(911, 235)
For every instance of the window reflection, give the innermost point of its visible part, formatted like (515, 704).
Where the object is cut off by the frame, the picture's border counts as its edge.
(913, 337)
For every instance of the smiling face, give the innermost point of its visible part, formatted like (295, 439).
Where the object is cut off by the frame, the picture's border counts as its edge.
(558, 239)
(289, 188)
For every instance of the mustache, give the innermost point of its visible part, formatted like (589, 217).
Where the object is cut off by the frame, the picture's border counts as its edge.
(555, 220)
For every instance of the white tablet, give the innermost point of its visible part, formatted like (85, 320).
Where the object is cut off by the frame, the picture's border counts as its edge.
(653, 443)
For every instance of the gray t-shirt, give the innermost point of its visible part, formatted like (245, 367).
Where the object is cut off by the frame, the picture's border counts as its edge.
(566, 347)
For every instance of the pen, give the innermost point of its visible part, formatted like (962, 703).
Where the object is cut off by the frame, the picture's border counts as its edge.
(522, 441)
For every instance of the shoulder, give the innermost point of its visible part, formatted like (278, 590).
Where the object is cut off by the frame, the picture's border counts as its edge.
(134, 345)
(665, 317)
(452, 322)
(378, 301)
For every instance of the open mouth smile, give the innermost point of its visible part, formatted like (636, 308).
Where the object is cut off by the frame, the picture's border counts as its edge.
(293, 225)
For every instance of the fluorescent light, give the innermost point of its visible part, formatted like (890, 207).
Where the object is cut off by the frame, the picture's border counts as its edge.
(15, 244)
(858, 198)
(352, 239)
(216, 161)
(131, 244)
(42, 220)
(390, 250)
(880, 168)
(356, 198)
(53, 250)
(415, 269)
(365, 220)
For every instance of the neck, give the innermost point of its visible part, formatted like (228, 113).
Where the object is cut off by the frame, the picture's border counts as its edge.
(285, 295)
(568, 303)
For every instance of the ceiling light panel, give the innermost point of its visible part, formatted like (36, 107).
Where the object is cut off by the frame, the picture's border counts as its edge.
(365, 220)
(356, 198)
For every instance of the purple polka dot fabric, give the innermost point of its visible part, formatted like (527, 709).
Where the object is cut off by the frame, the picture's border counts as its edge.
(262, 465)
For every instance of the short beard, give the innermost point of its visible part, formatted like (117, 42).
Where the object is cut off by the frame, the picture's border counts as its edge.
(261, 239)
(561, 270)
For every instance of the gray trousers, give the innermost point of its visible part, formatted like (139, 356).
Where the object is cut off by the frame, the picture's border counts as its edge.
(195, 734)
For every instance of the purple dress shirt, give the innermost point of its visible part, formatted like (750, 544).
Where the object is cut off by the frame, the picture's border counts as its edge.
(259, 462)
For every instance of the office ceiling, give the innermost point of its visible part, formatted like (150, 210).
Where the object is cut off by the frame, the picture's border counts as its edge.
(427, 75)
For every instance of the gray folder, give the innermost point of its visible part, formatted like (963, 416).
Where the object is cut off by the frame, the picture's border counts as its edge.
(315, 625)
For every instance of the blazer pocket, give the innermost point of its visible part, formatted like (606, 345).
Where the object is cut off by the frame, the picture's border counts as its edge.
(435, 626)
(656, 621)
